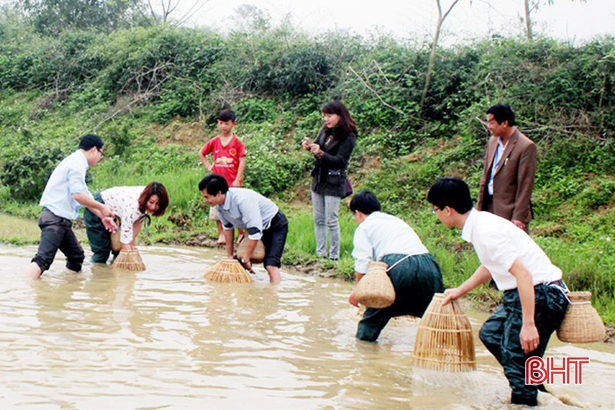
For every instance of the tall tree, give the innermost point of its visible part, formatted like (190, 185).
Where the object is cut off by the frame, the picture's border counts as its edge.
(434, 49)
(529, 7)
(56, 16)
(165, 11)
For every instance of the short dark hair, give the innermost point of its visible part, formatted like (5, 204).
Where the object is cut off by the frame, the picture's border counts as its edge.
(365, 202)
(502, 112)
(451, 192)
(227, 115)
(213, 183)
(154, 188)
(90, 141)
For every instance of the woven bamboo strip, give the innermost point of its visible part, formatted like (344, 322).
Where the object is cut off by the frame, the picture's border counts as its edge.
(444, 340)
(582, 323)
(229, 271)
(375, 289)
(129, 260)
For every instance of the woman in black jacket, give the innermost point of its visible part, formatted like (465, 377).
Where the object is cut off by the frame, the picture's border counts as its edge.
(332, 149)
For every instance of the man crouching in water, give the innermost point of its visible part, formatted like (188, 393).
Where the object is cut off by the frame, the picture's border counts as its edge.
(414, 272)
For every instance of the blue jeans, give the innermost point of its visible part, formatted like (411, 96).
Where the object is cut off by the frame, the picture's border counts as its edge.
(326, 217)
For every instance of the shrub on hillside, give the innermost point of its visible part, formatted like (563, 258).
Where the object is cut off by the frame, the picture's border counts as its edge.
(29, 168)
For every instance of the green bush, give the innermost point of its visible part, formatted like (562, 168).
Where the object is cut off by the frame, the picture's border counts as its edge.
(273, 165)
(29, 169)
(599, 193)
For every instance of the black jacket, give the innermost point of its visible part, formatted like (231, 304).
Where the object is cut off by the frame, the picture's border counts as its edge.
(329, 174)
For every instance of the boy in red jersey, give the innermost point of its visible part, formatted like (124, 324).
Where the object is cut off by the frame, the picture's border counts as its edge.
(229, 160)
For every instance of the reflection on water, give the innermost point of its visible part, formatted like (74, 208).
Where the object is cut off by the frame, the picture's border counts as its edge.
(166, 338)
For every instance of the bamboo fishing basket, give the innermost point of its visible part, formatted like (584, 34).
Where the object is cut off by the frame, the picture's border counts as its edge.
(258, 255)
(229, 271)
(116, 245)
(129, 260)
(444, 339)
(582, 323)
(375, 289)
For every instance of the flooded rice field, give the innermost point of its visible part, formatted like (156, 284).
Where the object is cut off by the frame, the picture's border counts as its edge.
(165, 338)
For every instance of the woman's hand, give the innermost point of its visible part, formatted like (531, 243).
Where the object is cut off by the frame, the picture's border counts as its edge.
(306, 144)
(128, 247)
(315, 149)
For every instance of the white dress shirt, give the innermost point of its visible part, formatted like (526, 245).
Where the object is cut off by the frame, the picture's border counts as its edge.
(382, 234)
(498, 243)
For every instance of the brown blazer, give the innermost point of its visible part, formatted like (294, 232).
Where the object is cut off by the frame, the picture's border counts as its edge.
(513, 182)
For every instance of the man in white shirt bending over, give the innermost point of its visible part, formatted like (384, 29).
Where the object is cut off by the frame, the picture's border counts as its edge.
(248, 210)
(534, 301)
(414, 272)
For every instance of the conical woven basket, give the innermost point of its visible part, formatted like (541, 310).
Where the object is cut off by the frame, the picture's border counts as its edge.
(258, 255)
(375, 289)
(129, 260)
(228, 270)
(116, 245)
(582, 323)
(444, 339)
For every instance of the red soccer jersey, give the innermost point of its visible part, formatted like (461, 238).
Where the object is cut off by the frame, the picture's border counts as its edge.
(226, 158)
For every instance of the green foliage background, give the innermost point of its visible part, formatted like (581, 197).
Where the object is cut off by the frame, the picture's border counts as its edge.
(152, 92)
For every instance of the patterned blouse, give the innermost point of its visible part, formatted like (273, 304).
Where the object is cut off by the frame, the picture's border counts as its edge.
(124, 200)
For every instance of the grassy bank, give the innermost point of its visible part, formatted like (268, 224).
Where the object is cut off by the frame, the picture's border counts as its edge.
(578, 237)
(18, 231)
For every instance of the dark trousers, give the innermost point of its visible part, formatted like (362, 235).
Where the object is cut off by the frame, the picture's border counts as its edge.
(274, 239)
(488, 206)
(57, 233)
(501, 334)
(98, 236)
(415, 280)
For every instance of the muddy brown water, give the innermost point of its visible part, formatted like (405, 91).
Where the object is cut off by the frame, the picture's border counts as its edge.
(167, 339)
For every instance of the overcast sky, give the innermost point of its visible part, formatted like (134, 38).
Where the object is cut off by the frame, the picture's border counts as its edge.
(570, 20)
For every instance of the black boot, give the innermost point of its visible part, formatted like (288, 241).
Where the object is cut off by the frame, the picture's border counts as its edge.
(524, 400)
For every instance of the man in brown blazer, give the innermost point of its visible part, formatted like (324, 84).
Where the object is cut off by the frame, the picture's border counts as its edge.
(510, 167)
